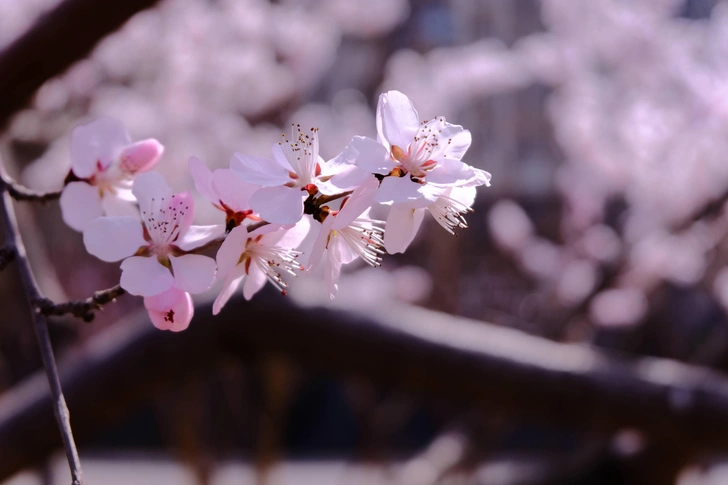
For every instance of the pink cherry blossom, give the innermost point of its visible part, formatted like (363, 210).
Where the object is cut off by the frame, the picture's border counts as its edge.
(104, 162)
(263, 253)
(295, 172)
(348, 234)
(225, 190)
(448, 210)
(170, 310)
(155, 250)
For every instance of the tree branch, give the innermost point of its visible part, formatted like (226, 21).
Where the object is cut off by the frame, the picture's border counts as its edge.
(498, 370)
(20, 192)
(82, 309)
(59, 38)
(14, 243)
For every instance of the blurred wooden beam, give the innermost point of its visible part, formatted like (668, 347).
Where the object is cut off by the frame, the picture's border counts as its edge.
(58, 38)
(499, 370)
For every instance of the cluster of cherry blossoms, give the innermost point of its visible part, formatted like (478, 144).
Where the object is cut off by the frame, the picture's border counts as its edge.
(268, 207)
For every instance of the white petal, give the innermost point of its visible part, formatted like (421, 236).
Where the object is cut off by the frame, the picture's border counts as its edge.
(256, 280)
(402, 225)
(464, 195)
(96, 145)
(319, 244)
(455, 173)
(281, 205)
(231, 190)
(80, 204)
(193, 273)
(397, 120)
(171, 310)
(279, 155)
(148, 186)
(454, 142)
(403, 190)
(258, 171)
(348, 179)
(197, 236)
(232, 248)
(368, 154)
(140, 156)
(358, 202)
(202, 176)
(114, 238)
(145, 276)
(115, 206)
(332, 272)
(288, 238)
(340, 250)
(228, 288)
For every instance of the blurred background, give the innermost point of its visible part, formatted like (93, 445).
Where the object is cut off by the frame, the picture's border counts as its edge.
(604, 124)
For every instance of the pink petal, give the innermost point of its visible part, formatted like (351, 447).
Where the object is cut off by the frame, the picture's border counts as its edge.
(340, 250)
(80, 204)
(349, 178)
(280, 205)
(358, 202)
(402, 190)
(202, 176)
(280, 157)
(228, 256)
(95, 144)
(196, 236)
(148, 186)
(368, 154)
(171, 310)
(259, 171)
(140, 156)
(397, 120)
(402, 225)
(193, 273)
(254, 282)
(145, 276)
(464, 195)
(114, 238)
(232, 282)
(231, 190)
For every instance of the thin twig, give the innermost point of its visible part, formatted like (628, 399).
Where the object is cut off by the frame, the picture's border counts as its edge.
(20, 192)
(14, 242)
(83, 309)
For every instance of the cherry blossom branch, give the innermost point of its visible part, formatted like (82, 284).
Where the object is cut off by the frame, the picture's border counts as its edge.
(14, 243)
(82, 309)
(20, 192)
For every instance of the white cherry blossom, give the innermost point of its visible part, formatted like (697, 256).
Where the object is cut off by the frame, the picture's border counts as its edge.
(170, 310)
(104, 162)
(154, 250)
(226, 191)
(348, 234)
(295, 172)
(264, 253)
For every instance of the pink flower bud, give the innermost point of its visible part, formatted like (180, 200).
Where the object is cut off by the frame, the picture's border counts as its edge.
(170, 310)
(140, 156)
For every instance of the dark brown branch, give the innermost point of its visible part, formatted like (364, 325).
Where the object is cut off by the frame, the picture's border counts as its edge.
(14, 242)
(59, 38)
(497, 370)
(7, 255)
(83, 309)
